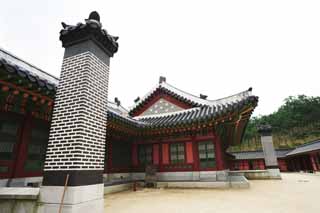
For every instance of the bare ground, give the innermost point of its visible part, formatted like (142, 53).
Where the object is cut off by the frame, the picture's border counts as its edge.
(296, 193)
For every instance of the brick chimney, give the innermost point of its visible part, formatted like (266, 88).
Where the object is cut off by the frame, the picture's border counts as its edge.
(269, 151)
(77, 138)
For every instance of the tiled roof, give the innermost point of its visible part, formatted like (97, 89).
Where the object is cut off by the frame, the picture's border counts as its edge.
(15, 65)
(250, 155)
(189, 116)
(203, 110)
(307, 147)
(119, 109)
(189, 98)
(196, 114)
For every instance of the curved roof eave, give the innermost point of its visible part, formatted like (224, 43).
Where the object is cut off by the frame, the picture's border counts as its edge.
(192, 98)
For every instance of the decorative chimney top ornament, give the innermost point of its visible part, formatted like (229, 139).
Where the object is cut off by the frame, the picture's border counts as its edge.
(95, 16)
(90, 30)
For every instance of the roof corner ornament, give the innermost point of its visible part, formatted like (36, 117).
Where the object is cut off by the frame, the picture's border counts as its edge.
(265, 129)
(162, 79)
(64, 25)
(117, 101)
(137, 99)
(202, 96)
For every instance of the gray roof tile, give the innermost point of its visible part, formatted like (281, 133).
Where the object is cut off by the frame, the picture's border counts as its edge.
(307, 147)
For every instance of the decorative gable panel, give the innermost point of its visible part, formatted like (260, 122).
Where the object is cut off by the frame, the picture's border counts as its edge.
(161, 106)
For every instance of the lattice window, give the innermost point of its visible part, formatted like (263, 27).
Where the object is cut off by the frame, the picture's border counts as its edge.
(145, 154)
(206, 155)
(177, 153)
(8, 138)
(37, 148)
(4, 169)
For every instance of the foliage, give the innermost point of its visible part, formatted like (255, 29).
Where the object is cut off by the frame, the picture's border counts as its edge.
(297, 121)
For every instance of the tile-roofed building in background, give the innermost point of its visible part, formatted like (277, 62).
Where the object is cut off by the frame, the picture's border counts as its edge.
(254, 160)
(305, 157)
(312, 146)
(251, 155)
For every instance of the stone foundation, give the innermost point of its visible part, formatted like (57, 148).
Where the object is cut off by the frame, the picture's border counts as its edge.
(77, 198)
(18, 200)
(269, 174)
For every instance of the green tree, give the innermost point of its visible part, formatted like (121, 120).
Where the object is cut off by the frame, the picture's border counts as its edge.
(295, 122)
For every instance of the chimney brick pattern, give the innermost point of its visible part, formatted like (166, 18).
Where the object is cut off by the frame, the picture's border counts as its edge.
(78, 128)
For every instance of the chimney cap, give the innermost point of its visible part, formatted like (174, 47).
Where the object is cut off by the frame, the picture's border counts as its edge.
(264, 129)
(92, 30)
(162, 79)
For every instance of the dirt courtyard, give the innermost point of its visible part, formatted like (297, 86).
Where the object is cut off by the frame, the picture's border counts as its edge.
(296, 193)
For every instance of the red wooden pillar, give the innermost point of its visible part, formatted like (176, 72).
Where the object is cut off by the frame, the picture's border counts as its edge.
(219, 153)
(189, 151)
(135, 154)
(196, 164)
(247, 167)
(165, 154)
(317, 158)
(313, 162)
(22, 149)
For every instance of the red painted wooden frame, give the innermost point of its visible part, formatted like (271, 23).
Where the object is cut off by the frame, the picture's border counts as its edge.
(30, 124)
(16, 166)
(195, 165)
(11, 164)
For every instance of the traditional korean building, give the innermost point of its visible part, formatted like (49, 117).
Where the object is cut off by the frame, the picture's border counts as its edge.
(255, 160)
(185, 137)
(182, 135)
(305, 157)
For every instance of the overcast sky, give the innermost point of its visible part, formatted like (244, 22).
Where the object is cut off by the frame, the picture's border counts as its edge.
(217, 48)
